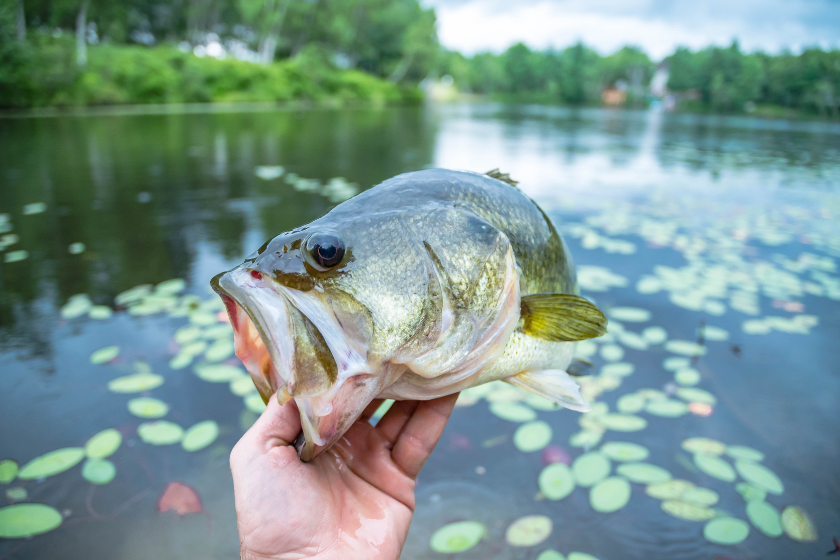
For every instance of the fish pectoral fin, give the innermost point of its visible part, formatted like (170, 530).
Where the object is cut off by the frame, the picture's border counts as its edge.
(561, 317)
(553, 384)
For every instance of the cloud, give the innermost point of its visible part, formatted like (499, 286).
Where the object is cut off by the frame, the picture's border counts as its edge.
(657, 26)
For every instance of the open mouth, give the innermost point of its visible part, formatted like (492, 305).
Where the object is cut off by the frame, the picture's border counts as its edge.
(292, 345)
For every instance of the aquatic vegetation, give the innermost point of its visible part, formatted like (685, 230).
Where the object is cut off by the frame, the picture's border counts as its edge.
(532, 436)
(556, 481)
(52, 463)
(726, 530)
(25, 520)
(760, 476)
(610, 494)
(180, 498)
(160, 432)
(687, 510)
(797, 524)
(8, 471)
(135, 383)
(591, 468)
(148, 407)
(200, 435)
(104, 355)
(457, 537)
(714, 466)
(764, 517)
(530, 530)
(103, 444)
(99, 471)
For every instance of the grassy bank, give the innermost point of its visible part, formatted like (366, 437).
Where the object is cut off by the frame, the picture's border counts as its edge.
(44, 73)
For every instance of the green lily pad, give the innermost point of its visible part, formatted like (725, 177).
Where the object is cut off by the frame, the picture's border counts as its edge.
(200, 435)
(714, 466)
(744, 453)
(715, 333)
(254, 403)
(624, 451)
(580, 556)
(532, 436)
(643, 473)
(686, 510)
(530, 530)
(512, 411)
(169, 287)
(218, 373)
(629, 314)
(160, 432)
(556, 481)
(100, 312)
(618, 369)
(685, 347)
(610, 495)
(76, 306)
(243, 385)
(623, 422)
(585, 438)
(25, 520)
(764, 517)
(704, 445)
(52, 463)
(136, 383)
(219, 350)
(16, 256)
(18, 494)
(103, 444)
(202, 318)
(693, 394)
(105, 354)
(99, 471)
(700, 496)
(540, 403)
(726, 530)
(797, 524)
(668, 408)
(8, 471)
(655, 335)
(687, 376)
(457, 537)
(760, 476)
(612, 352)
(181, 360)
(630, 403)
(591, 468)
(194, 348)
(669, 490)
(550, 555)
(147, 407)
(188, 334)
(674, 363)
(750, 492)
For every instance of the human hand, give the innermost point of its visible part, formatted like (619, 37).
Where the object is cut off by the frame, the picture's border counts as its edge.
(355, 500)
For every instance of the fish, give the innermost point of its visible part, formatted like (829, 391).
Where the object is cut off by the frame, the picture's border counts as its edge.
(427, 284)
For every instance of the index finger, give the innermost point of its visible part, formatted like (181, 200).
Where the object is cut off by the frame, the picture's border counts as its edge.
(421, 433)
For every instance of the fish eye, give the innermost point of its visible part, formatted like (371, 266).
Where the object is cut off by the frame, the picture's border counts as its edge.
(327, 249)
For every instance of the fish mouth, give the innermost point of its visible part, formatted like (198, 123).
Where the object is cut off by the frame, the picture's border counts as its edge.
(293, 346)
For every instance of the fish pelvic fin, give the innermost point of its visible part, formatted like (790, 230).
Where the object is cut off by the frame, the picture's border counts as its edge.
(560, 318)
(553, 384)
(504, 177)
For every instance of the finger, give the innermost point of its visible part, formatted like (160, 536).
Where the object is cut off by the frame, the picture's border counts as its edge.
(421, 433)
(397, 416)
(277, 425)
(370, 409)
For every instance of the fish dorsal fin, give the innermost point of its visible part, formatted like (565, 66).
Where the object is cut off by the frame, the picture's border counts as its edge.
(561, 317)
(505, 177)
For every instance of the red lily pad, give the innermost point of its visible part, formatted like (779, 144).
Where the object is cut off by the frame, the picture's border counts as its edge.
(181, 498)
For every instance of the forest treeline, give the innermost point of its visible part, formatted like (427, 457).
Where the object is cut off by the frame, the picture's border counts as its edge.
(89, 52)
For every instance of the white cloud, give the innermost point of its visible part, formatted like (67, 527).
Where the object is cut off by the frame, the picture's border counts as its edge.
(471, 26)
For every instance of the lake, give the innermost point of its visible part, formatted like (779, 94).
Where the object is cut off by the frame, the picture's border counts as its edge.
(710, 242)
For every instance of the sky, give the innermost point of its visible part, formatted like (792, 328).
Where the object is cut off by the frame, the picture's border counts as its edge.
(657, 26)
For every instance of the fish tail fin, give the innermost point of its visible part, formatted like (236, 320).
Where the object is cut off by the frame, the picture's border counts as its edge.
(553, 384)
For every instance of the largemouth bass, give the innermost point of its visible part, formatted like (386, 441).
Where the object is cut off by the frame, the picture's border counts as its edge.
(429, 283)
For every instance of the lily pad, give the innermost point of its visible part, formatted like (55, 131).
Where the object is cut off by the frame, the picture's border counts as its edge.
(242, 386)
(629, 314)
(623, 422)
(8, 471)
(181, 360)
(744, 453)
(750, 492)
(169, 287)
(655, 335)
(798, 525)
(726, 530)
(219, 351)
(147, 407)
(52, 463)
(136, 383)
(630, 403)
(457, 537)
(532, 436)
(99, 471)
(254, 403)
(686, 510)
(715, 333)
(530, 530)
(668, 408)
(612, 352)
(218, 373)
(619, 369)
(512, 411)
(100, 312)
(701, 496)
(540, 403)
(687, 376)
(25, 520)
(105, 354)
(18, 494)
(556, 481)
(550, 555)
(187, 334)
(160, 432)
(674, 363)
(704, 445)
(685, 347)
(16, 256)
(624, 451)
(760, 476)
(692, 394)
(200, 435)
(591, 468)
(585, 438)
(103, 444)
(76, 306)
(714, 466)
(764, 517)
(580, 556)
(643, 473)
(669, 490)
(610, 495)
